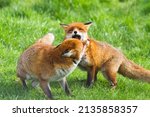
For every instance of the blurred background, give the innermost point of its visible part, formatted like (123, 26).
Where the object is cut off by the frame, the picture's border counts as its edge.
(116, 21)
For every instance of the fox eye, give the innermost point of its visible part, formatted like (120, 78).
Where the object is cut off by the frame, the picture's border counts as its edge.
(57, 46)
(67, 50)
(70, 31)
(80, 29)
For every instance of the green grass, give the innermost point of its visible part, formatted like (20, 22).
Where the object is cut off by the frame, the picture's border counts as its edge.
(124, 24)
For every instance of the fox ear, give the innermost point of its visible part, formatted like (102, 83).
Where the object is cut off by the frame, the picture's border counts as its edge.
(65, 26)
(88, 24)
(67, 53)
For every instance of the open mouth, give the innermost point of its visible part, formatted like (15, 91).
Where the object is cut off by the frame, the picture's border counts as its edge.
(76, 36)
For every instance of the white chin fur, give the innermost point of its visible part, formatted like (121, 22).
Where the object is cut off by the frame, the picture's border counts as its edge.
(83, 36)
(68, 36)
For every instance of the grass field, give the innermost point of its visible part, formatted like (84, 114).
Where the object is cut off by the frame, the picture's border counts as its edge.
(125, 24)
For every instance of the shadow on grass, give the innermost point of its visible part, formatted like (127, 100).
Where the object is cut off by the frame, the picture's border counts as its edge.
(13, 90)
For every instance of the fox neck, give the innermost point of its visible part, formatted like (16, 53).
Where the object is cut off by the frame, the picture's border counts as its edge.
(54, 56)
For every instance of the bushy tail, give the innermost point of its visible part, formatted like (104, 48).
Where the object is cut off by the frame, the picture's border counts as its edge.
(47, 39)
(132, 70)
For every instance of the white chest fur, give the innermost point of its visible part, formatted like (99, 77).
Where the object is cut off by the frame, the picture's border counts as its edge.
(61, 73)
(84, 61)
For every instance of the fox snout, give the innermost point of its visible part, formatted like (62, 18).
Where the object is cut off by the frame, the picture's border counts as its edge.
(76, 34)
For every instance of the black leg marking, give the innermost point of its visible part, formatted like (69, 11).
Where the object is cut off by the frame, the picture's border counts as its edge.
(65, 86)
(24, 84)
(46, 88)
(91, 76)
(95, 77)
(89, 79)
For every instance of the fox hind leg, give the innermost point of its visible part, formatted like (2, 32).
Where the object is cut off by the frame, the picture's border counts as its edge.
(110, 70)
(22, 77)
(111, 77)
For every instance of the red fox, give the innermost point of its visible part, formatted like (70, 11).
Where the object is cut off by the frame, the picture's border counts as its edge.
(104, 57)
(43, 62)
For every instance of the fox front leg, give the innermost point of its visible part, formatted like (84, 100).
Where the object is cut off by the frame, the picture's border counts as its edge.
(95, 77)
(24, 84)
(46, 88)
(91, 76)
(65, 86)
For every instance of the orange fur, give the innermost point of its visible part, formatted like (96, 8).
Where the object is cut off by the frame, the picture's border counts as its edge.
(43, 62)
(104, 57)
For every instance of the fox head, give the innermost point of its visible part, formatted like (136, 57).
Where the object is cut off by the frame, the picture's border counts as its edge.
(77, 30)
(72, 48)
